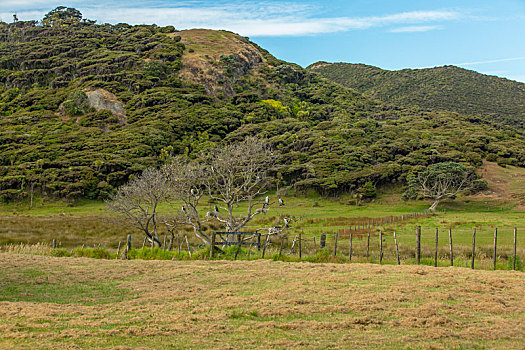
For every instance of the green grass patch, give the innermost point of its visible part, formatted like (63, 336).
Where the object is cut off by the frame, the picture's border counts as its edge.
(40, 286)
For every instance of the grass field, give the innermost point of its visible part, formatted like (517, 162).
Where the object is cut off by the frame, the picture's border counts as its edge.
(48, 302)
(88, 223)
(280, 302)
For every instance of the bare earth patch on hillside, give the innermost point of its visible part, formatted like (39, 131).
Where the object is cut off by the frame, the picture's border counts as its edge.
(504, 183)
(81, 303)
(201, 62)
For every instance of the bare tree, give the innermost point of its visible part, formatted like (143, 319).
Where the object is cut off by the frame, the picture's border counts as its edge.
(229, 175)
(171, 223)
(239, 173)
(138, 201)
(186, 182)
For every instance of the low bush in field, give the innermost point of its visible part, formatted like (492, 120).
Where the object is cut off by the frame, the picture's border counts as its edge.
(95, 253)
(153, 254)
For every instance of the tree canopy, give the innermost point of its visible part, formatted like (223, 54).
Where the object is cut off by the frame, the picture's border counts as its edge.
(441, 181)
(62, 16)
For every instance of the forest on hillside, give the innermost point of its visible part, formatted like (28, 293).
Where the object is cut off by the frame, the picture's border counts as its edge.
(447, 88)
(329, 138)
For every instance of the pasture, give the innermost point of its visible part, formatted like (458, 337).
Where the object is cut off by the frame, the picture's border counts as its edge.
(49, 302)
(89, 224)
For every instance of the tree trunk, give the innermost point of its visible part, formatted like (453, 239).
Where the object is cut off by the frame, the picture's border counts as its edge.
(202, 236)
(434, 205)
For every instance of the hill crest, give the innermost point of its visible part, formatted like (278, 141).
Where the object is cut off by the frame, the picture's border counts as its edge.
(444, 88)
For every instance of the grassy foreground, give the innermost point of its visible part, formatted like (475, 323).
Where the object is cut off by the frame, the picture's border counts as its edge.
(48, 302)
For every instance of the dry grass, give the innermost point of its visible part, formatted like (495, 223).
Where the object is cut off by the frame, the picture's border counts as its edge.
(504, 183)
(33, 249)
(48, 302)
(69, 230)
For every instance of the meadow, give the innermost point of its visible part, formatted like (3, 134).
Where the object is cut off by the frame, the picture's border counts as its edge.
(50, 302)
(88, 224)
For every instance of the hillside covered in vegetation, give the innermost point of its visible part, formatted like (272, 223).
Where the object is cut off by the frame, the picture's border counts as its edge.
(85, 106)
(446, 88)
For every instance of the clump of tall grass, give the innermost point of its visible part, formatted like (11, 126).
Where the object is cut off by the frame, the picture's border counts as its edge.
(157, 254)
(24, 248)
(94, 253)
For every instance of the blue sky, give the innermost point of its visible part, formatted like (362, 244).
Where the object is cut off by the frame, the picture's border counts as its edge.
(487, 36)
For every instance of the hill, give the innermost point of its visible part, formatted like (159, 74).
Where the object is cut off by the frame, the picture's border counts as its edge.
(85, 106)
(446, 88)
(61, 303)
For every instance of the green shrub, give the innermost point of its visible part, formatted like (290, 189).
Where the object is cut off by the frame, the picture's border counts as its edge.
(95, 253)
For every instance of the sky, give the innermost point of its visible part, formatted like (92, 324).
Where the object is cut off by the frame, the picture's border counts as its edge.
(487, 36)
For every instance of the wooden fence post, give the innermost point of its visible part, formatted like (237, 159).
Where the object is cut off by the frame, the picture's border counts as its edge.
(259, 242)
(144, 242)
(418, 244)
(170, 245)
(495, 247)
(515, 245)
(54, 243)
(451, 249)
(473, 248)
(188, 244)
(323, 241)
(249, 251)
(436, 249)
(239, 240)
(212, 245)
(397, 249)
(380, 247)
(164, 244)
(351, 242)
(178, 243)
(335, 244)
(265, 244)
(368, 245)
(128, 246)
(118, 250)
(281, 248)
(300, 247)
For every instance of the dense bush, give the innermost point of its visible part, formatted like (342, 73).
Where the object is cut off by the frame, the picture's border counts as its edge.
(330, 138)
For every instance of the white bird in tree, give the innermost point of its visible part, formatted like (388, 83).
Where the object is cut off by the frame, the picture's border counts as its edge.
(286, 221)
(192, 191)
(281, 202)
(266, 202)
(183, 209)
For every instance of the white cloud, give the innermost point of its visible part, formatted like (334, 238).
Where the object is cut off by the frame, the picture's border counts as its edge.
(250, 19)
(490, 61)
(414, 29)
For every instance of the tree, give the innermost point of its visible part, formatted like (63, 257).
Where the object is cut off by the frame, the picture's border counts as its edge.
(229, 175)
(186, 182)
(368, 190)
(440, 181)
(62, 16)
(239, 173)
(138, 201)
